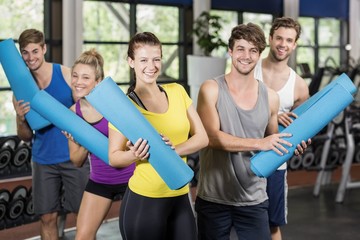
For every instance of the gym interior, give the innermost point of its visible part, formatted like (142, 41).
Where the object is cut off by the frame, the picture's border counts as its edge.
(324, 182)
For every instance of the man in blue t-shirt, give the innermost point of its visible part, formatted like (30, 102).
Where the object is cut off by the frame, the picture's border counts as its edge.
(52, 169)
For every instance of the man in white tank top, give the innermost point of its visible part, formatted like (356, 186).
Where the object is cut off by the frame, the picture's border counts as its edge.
(292, 90)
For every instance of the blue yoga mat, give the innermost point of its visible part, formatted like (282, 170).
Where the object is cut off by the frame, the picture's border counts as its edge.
(308, 124)
(65, 119)
(114, 105)
(343, 80)
(21, 81)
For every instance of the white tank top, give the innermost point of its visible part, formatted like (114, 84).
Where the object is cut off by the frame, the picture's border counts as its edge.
(286, 93)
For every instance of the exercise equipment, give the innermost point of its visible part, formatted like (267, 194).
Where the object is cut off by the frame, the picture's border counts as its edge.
(327, 105)
(6, 154)
(345, 181)
(21, 81)
(321, 158)
(295, 162)
(317, 154)
(357, 154)
(22, 154)
(114, 105)
(308, 158)
(29, 209)
(9, 141)
(67, 120)
(4, 201)
(325, 171)
(17, 203)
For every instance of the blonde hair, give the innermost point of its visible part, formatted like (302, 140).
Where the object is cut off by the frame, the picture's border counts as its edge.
(93, 59)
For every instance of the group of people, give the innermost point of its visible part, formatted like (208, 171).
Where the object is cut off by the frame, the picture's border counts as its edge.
(237, 114)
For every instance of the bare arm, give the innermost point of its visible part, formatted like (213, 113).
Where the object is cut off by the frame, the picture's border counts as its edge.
(122, 153)
(67, 74)
(198, 137)
(208, 95)
(78, 154)
(24, 131)
(274, 102)
(301, 94)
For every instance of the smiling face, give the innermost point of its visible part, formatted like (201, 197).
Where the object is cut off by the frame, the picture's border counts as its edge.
(33, 55)
(244, 56)
(282, 43)
(83, 80)
(146, 63)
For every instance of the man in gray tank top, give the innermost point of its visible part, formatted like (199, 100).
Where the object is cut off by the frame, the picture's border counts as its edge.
(240, 116)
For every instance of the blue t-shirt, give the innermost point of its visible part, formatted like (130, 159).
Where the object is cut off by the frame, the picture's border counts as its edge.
(50, 146)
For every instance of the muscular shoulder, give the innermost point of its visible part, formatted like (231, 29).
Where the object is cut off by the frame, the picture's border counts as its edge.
(210, 86)
(66, 72)
(274, 99)
(208, 93)
(301, 90)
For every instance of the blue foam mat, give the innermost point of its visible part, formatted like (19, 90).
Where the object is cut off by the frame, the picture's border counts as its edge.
(114, 105)
(332, 101)
(65, 119)
(343, 80)
(21, 81)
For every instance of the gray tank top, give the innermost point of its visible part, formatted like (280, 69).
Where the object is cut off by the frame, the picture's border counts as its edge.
(226, 177)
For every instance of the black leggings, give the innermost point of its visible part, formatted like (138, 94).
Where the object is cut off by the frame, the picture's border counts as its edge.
(168, 218)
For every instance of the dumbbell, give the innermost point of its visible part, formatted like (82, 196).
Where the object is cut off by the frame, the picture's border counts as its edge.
(4, 201)
(29, 208)
(22, 154)
(295, 162)
(308, 159)
(7, 147)
(17, 204)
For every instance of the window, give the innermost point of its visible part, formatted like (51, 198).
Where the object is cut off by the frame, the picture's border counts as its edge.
(305, 51)
(230, 21)
(319, 44)
(107, 28)
(15, 17)
(329, 42)
(150, 18)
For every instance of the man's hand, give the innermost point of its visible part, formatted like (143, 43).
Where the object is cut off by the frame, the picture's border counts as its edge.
(285, 119)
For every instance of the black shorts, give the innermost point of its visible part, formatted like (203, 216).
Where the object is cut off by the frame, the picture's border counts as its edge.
(110, 191)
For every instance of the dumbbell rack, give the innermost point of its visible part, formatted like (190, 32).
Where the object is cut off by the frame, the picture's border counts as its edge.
(16, 206)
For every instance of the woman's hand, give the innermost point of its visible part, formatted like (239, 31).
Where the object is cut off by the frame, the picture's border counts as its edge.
(140, 149)
(167, 141)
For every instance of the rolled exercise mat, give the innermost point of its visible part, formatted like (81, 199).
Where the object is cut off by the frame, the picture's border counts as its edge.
(343, 80)
(308, 124)
(65, 119)
(21, 81)
(114, 105)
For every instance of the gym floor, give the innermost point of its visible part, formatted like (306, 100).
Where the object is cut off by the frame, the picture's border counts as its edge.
(309, 217)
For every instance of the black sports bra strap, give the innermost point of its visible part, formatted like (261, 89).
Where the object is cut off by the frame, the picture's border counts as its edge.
(138, 101)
